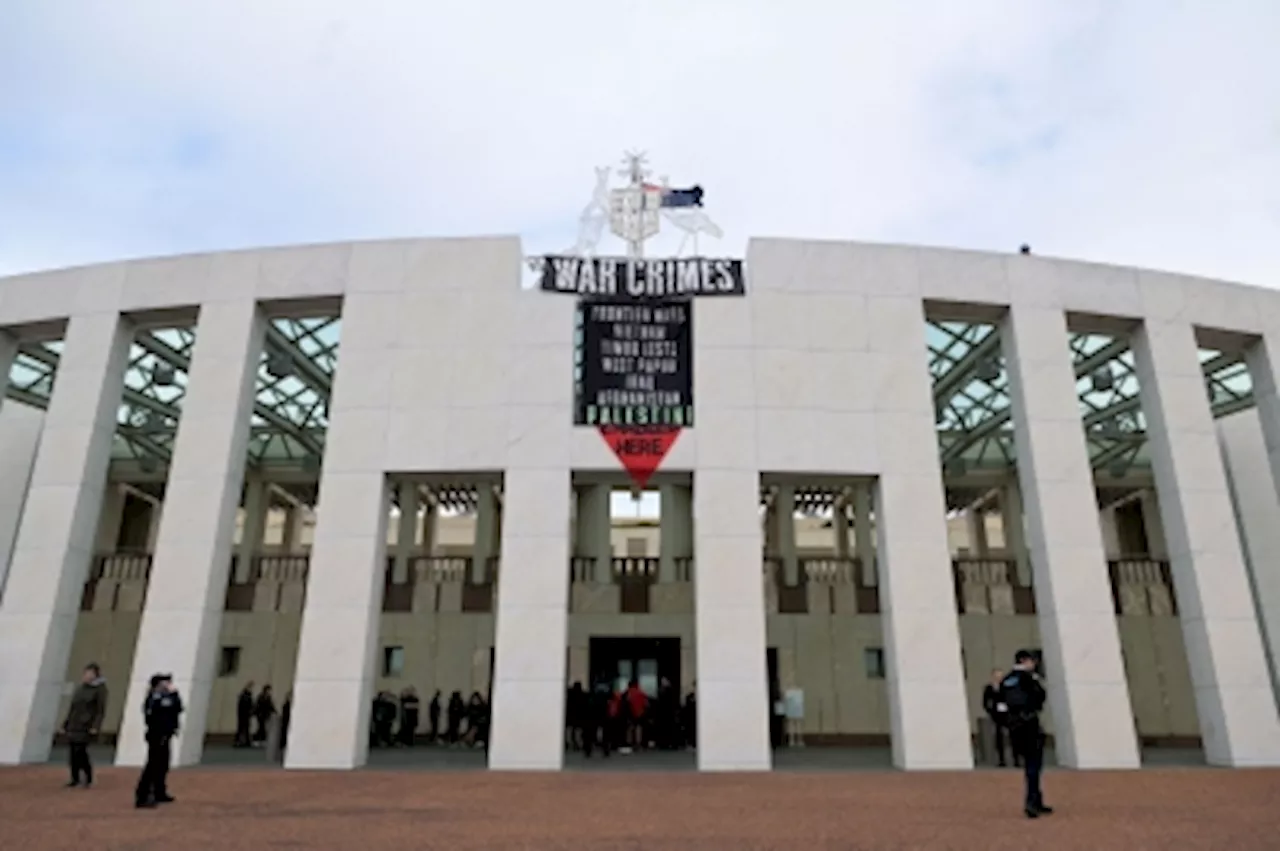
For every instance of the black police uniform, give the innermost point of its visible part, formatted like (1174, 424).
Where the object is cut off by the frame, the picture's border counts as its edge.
(1022, 693)
(161, 712)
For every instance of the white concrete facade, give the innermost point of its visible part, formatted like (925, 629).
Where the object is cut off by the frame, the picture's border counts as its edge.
(820, 369)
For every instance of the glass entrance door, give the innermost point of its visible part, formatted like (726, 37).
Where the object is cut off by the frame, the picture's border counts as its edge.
(619, 660)
(643, 670)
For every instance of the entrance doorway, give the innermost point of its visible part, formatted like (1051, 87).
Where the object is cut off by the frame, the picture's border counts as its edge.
(617, 661)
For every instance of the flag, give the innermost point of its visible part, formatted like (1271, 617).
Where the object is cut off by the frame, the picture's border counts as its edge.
(691, 197)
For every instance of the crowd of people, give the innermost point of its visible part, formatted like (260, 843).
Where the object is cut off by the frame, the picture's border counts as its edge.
(260, 709)
(607, 718)
(611, 718)
(397, 722)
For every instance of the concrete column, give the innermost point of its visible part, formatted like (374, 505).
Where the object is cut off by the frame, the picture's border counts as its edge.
(676, 529)
(20, 428)
(840, 528)
(1253, 495)
(1088, 691)
(8, 351)
(112, 516)
(56, 536)
(429, 528)
(785, 517)
(595, 529)
(531, 632)
(1153, 526)
(864, 535)
(337, 645)
(977, 520)
(182, 619)
(733, 694)
(295, 517)
(256, 504)
(1238, 720)
(488, 520)
(1110, 532)
(1013, 519)
(406, 530)
(154, 515)
(928, 704)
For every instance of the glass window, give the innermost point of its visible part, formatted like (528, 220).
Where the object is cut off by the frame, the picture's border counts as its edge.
(392, 661)
(873, 658)
(229, 662)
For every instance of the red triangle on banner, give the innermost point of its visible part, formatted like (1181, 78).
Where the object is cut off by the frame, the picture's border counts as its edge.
(640, 448)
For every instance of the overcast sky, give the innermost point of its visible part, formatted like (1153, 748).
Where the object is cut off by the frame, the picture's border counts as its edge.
(1143, 132)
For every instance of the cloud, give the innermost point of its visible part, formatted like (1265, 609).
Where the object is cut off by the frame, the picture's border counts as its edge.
(1134, 131)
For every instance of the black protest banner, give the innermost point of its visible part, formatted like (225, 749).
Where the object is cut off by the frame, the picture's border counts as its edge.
(633, 364)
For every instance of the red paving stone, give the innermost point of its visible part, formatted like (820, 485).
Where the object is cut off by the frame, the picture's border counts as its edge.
(1164, 809)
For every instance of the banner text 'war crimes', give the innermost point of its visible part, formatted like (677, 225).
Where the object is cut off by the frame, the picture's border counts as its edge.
(620, 277)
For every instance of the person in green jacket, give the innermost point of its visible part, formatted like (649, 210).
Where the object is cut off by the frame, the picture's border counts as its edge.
(84, 721)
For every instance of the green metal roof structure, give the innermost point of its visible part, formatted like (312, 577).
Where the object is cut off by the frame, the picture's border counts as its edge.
(295, 379)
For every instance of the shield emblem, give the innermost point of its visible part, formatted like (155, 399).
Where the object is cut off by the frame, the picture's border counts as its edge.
(633, 212)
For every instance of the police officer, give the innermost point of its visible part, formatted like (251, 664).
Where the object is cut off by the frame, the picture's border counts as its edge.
(161, 711)
(1023, 692)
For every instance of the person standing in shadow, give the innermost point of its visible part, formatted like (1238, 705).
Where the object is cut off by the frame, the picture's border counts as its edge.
(410, 708)
(84, 720)
(433, 718)
(998, 711)
(575, 708)
(286, 715)
(689, 718)
(666, 717)
(244, 714)
(161, 713)
(596, 732)
(457, 709)
(263, 711)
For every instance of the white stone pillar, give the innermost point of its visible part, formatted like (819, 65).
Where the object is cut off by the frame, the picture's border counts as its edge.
(488, 518)
(531, 632)
(1253, 495)
(112, 515)
(1110, 532)
(8, 351)
(1088, 691)
(155, 513)
(673, 538)
(977, 521)
(733, 692)
(55, 539)
(182, 619)
(406, 530)
(429, 513)
(1153, 526)
(785, 517)
(928, 704)
(295, 519)
(337, 646)
(1238, 720)
(840, 528)
(864, 535)
(254, 528)
(1013, 520)
(20, 428)
(595, 529)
